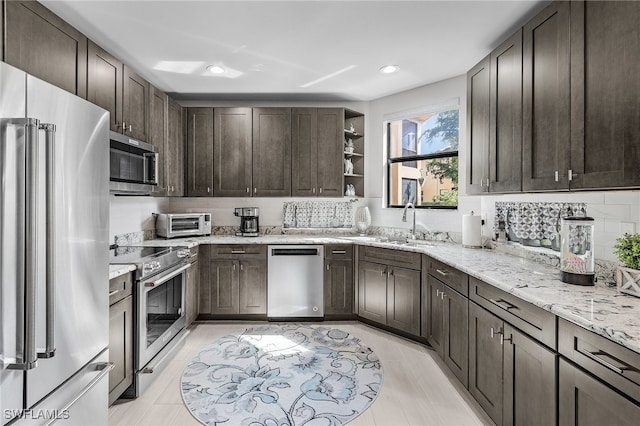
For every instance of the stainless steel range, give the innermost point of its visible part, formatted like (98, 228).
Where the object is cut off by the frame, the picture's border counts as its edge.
(160, 311)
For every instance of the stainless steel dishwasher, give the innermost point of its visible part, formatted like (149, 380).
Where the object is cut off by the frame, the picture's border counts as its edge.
(295, 282)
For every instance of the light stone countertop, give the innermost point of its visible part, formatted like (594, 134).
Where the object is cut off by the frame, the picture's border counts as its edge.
(602, 310)
(117, 270)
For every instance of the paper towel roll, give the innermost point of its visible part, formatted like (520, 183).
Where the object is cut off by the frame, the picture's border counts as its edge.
(471, 230)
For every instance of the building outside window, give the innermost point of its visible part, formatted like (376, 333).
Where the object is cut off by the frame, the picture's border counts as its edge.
(422, 165)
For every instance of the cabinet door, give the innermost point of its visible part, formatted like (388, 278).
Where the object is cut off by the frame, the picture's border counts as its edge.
(330, 152)
(304, 152)
(478, 95)
(338, 286)
(505, 131)
(253, 286)
(485, 361)
(546, 98)
(372, 292)
(42, 44)
(104, 83)
(272, 152)
(158, 134)
(586, 401)
(135, 105)
(403, 300)
(456, 334)
(232, 152)
(529, 381)
(433, 314)
(605, 94)
(224, 287)
(174, 151)
(193, 285)
(199, 152)
(120, 347)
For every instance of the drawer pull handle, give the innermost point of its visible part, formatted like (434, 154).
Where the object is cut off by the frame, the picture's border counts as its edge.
(502, 304)
(237, 251)
(339, 251)
(441, 272)
(113, 293)
(596, 356)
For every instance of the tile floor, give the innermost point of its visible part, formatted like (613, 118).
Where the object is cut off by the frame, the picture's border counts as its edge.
(427, 395)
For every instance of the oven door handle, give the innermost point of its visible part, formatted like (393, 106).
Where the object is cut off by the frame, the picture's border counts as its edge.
(165, 278)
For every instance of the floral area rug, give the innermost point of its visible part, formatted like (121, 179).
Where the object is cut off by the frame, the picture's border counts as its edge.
(282, 374)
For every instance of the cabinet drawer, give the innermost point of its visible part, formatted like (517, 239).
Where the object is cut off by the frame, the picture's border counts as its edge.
(449, 275)
(338, 251)
(611, 362)
(235, 251)
(390, 257)
(534, 321)
(120, 287)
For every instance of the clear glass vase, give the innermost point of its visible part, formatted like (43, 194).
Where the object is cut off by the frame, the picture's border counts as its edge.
(363, 219)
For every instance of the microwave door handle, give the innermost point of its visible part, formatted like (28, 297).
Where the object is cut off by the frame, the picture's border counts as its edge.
(50, 142)
(26, 356)
(151, 157)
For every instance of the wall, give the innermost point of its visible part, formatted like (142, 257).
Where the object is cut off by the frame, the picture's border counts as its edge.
(133, 214)
(396, 106)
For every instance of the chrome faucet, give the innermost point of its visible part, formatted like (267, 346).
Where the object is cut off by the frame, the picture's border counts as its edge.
(412, 236)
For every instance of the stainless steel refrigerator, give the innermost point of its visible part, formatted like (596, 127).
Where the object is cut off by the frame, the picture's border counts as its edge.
(54, 318)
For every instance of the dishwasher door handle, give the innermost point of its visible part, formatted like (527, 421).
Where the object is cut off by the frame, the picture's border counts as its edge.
(294, 252)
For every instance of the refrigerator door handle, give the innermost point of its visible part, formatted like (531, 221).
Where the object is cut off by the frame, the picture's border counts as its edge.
(26, 354)
(104, 368)
(50, 139)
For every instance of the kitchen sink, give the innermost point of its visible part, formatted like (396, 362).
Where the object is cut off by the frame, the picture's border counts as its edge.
(394, 240)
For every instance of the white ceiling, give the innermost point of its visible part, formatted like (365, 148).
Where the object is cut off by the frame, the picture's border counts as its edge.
(297, 49)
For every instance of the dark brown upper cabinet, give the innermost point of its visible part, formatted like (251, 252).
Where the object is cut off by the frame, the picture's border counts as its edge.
(199, 152)
(478, 95)
(505, 127)
(316, 152)
(174, 150)
(605, 94)
(232, 152)
(546, 99)
(118, 89)
(42, 44)
(271, 152)
(158, 132)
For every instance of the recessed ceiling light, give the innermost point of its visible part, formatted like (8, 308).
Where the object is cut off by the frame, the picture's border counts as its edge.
(389, 69)
(215, 69)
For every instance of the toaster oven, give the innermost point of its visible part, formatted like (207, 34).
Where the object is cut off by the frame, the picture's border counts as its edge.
(172, 225)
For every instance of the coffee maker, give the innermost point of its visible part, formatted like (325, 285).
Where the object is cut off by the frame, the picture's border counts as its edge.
(248, 221)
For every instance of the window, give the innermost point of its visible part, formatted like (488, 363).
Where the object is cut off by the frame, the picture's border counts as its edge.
(422, 165)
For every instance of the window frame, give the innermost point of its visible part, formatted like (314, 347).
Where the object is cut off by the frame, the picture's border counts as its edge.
(393, 160)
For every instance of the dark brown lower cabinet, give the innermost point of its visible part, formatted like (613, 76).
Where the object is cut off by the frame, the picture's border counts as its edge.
(120, 335)
(485, 361)
(389, 295)
(372, 292)
(446, 325)
(512, 376)
(586, 401)
(338, 287)
(235, 280)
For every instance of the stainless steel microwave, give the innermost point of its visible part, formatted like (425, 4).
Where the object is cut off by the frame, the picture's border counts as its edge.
(171, 225)
(133, 166)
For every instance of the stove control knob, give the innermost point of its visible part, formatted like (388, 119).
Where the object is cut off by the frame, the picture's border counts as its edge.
(183, 253)
(151, 266)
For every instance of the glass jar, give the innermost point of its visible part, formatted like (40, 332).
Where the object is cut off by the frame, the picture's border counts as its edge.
(577, 263)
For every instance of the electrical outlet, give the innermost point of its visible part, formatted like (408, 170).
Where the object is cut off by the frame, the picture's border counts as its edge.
(627, 228)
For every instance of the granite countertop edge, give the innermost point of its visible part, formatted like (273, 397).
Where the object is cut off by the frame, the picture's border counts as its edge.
(603, 310)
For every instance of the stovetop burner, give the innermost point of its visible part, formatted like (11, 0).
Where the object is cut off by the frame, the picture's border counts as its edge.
(149, 260)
